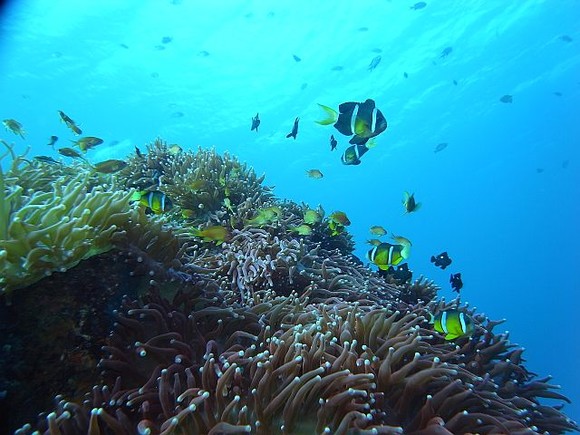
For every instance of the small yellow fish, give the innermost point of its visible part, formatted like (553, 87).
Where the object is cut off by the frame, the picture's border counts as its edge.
(303, 230)
(110, 166)
(265, 216)
(14, 126)
(340, 217)
(377, 230)
(409, 203)
(228, 204)
(70, 123)
(314, 173)
(197, 184)
(86, 143)
(215, 233)
(337, 221)
(174, 149)
(374, 242)
(70, 152)
(312, 217)
(187, 213)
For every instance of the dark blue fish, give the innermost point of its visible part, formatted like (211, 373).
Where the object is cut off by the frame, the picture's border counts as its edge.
(337, 68)
(376, 60)
(456, 282)
(294, 131)
(400, 273)
(333, 143)
(46, 159)
(446, 52)
(506, 99)
(255, 122)
(440, 147)
(296, 58)
(418, 5)
(442, 260)
(405, 75)
(166, 39)
(52, 141)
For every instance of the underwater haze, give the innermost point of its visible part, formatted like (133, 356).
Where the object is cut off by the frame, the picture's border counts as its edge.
(497, 82)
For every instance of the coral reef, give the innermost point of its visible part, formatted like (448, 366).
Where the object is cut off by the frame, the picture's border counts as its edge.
(264, 331)
(198, 182)
(45, 232)
(291, 366)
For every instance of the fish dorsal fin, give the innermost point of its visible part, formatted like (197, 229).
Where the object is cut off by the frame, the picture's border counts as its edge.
(369, 104)
(346, 107)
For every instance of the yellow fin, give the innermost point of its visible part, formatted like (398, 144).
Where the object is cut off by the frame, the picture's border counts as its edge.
(331, 115)
(136, 196)
(371, 143)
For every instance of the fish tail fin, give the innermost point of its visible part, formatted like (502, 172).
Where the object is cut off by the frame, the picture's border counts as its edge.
(331, 115)
(290, 135)
(136, 196)
(417, 206)
(433, 259)
(406, 251)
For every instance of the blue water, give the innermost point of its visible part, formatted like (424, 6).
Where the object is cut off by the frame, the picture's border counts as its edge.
(503, 198)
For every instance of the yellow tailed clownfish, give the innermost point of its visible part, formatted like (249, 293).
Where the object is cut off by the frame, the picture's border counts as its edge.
(453, 323)
(384, 254)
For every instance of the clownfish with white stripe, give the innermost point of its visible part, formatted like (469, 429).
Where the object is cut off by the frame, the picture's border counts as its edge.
(385, 255)
(360, 120)
(154, 200)
(352, 154)
(453, 323)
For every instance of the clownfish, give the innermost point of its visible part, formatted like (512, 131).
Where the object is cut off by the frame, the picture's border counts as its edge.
(385, 255)
(158, 202)
(360, 120)
(453, 323)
